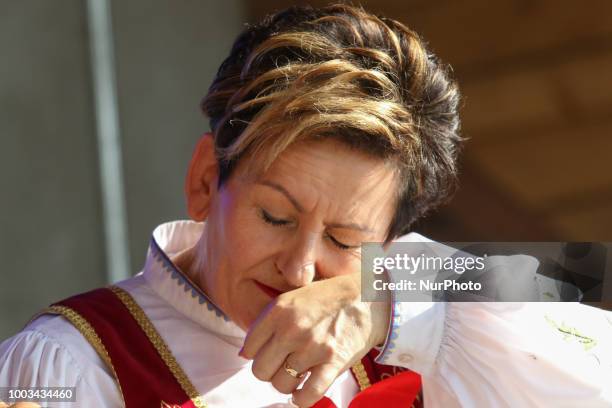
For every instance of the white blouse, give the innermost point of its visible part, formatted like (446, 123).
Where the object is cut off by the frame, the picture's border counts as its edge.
(469, 354)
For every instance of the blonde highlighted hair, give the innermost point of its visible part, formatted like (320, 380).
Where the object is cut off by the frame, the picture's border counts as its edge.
(340, 72)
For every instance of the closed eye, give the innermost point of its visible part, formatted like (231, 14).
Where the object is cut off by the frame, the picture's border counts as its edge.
(278, 222)
(268, 219)
(339, 244)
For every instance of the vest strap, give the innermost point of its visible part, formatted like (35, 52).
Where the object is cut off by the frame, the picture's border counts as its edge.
(147, 373)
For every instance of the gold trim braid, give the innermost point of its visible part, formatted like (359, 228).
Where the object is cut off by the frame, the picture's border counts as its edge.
(88, 332)
(161, 347)
(154, 337)
(361, 375)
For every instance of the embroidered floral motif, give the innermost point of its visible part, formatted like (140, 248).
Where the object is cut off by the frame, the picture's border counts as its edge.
(164, 404)
(570, 333)
(394, 371)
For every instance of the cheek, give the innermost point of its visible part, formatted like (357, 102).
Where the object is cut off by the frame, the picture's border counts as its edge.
(248, 245)
(234, 224)
(242, 235)
(247, 237)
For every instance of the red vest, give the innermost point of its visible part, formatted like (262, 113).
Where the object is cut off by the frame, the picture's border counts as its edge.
(148, 375)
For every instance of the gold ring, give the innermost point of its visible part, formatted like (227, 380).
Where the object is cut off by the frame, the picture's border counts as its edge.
(292, 372)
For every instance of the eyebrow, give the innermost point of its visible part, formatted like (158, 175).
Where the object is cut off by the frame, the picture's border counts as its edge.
(300, 208)
(284, 191)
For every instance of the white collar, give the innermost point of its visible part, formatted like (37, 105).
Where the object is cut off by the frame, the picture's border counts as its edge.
(175, 287)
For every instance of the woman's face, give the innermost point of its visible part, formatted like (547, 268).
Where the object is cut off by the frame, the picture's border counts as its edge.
(302, 220)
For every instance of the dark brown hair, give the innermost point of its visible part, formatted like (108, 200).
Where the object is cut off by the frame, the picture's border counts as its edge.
(340, 72)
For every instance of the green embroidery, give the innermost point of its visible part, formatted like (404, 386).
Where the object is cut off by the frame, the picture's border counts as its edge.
(572, 333)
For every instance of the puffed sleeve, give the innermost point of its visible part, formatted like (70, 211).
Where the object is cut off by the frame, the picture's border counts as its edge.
(34, 359)
(503, 354)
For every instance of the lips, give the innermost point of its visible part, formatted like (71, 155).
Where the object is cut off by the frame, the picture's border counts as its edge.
(268, 290)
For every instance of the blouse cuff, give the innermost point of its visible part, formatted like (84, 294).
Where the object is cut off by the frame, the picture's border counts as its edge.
(414, 336)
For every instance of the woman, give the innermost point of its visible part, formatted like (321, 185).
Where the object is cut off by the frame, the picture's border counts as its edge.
(330, 127)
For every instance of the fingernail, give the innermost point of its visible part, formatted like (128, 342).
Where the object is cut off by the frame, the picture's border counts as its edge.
(241, 353)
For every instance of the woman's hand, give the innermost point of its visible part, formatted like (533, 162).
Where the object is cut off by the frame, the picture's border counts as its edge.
(19, 405)
(322, 328)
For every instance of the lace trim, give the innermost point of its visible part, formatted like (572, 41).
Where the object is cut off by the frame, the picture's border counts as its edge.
(164, 262)
(159, 344)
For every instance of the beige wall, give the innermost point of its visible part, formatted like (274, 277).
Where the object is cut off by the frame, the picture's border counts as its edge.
(51, 226)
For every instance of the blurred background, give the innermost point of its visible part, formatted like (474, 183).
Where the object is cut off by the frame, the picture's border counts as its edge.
(99, 114)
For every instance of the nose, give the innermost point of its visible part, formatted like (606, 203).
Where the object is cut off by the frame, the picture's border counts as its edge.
(297, 262)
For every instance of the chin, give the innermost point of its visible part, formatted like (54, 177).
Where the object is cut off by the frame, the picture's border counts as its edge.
(244, 323)
(246, 319)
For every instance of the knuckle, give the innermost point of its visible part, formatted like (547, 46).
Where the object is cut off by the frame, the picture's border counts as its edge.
(302, 324)
(313, 391)
(279, 303)
(260, 372)
(282, 305)
(275, 309)
(282, 387)
(289, 337)
(327, 350)
(298, 331)
(284, 312)
(302, 400)
(310, 396)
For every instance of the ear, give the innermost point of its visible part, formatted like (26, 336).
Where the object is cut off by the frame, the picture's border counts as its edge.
(202, 177)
